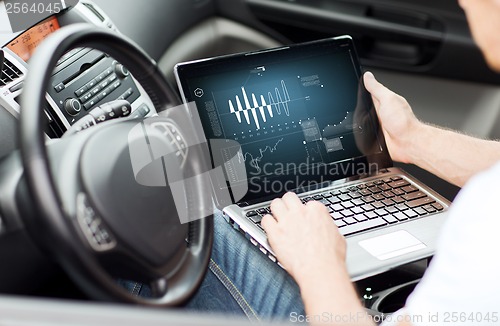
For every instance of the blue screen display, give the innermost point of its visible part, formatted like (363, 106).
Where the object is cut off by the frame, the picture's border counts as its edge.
(298, 113)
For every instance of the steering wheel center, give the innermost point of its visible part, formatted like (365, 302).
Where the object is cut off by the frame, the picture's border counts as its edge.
(143, 214)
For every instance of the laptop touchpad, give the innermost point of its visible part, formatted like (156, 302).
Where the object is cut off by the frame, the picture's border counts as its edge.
(392, 245)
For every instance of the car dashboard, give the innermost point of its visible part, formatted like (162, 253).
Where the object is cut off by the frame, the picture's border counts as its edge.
(82, 80)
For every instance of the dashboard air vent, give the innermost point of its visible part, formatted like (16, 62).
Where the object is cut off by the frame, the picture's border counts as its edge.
(9, 73)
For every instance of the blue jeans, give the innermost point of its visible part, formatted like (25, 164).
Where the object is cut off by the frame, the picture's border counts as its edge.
(242, 281)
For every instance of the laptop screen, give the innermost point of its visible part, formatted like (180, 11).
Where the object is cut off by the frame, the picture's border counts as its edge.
(300, 114)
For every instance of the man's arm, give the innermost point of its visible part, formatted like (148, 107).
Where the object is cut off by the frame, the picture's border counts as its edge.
(312, 250)
(450, 155)
(309, 246)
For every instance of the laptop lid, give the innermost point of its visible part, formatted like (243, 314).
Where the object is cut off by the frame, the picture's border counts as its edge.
(300, 114)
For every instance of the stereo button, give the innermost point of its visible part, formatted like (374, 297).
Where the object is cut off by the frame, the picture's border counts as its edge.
(72, 106)
(96, 90)
(79, 92)
(128, 93)
(121, 71)
(116, 85)
(59, 87)
(86, 97)
(91, 84)
(103, 75)
(93, 102)
(105, 93)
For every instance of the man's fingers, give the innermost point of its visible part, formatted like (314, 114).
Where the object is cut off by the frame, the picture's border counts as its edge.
(376, 102)
(278, 208)
(378, 91)
(292, 201)
(316, 207)
(269, 223)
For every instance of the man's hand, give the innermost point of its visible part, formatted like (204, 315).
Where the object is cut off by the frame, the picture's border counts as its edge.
(398, 122)
(305, 238)
(309, 246)
(447, 154)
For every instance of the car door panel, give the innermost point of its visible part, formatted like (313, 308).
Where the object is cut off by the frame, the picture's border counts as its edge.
(423, 37)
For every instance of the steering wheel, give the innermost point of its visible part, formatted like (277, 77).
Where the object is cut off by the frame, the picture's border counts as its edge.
(91, 212)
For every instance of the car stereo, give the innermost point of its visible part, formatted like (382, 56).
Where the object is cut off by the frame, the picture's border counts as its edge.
(87, 78)
(83, 78)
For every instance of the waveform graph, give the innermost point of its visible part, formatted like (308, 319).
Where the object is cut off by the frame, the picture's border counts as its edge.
(256, 109)
(281, 101)
(254, 160)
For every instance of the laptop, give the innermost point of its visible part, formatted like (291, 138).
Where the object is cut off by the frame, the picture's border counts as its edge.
(304, 122)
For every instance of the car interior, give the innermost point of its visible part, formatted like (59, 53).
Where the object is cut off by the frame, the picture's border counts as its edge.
(63, 109)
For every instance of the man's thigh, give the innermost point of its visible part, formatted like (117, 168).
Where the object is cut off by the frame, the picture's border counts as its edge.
(259, 287)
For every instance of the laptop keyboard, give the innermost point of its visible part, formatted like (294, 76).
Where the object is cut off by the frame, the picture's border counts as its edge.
(369, 205)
